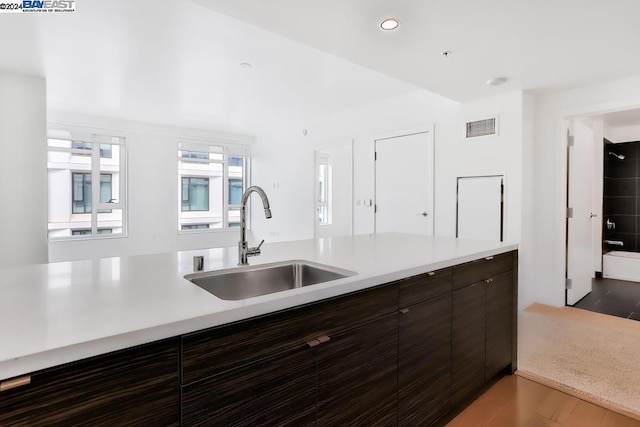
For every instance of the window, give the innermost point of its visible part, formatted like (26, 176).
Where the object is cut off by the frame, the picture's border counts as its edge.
(195, 194)
(323, 190)
(211, 180)
(78, 206)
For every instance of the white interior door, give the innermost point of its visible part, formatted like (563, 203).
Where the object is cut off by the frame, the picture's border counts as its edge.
(479, 210)
(579, 231)
(404, 184)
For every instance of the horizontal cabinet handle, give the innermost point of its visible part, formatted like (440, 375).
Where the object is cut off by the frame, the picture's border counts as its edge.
(488, 280)
(431, 273)
(404, 311)
(318, 340)
(15, 382)
(489, 258)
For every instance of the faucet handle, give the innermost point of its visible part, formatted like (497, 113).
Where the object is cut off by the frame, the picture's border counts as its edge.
(258, 247)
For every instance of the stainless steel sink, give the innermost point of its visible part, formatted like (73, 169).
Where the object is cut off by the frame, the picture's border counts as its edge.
(252, 281)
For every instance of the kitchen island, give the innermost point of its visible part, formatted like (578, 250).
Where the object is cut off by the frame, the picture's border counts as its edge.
(59, 313)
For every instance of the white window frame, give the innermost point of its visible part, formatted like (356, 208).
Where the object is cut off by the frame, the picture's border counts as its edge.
(323, 160)
(96, 137)
(226, 150)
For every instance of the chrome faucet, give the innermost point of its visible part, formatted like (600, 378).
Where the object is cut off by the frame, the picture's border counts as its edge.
(244, 251)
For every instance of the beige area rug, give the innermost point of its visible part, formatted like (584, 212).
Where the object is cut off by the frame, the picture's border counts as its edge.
(590, 353)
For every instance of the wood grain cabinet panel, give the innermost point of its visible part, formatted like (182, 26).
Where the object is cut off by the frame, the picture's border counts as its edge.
(424, 362)
(357, 376)
(499, 324)
(280, 390)
(468, 341)
(423, 287)
(216, 350)
(481, 269)
(138, 386)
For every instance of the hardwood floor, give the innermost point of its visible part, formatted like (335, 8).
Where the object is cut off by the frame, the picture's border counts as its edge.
(515, 401)
(614, 297)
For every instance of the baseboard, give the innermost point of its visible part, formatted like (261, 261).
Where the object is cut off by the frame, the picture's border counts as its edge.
(578, 394)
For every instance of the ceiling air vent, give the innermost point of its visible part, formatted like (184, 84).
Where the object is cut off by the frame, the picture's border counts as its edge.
(481, 128)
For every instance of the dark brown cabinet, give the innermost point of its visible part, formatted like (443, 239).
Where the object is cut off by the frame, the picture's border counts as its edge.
(330, 363)
(468, 342)
(483, 323)
(280, 390)
(424, 363)
(499, 306)
(137, 386)
(357, 375)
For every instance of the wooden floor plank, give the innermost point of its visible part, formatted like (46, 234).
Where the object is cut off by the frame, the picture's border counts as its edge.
(586, 414)
(515, 401)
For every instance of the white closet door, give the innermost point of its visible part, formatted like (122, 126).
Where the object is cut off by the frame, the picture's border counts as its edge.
(479, 213)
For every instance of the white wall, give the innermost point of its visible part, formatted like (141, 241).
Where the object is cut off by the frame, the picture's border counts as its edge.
(545, 282)
(623, 133)
(454, 156)
(152, 193)
(23, 170)
(283, 164)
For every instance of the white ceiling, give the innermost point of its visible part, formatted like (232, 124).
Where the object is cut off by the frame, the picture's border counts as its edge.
(620, 118)
(537, 44)
(177, 62)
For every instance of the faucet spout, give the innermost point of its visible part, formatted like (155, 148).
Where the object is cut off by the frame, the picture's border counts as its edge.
(244, 251)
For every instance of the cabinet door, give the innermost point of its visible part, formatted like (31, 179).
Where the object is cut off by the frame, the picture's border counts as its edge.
(280, 390)
(424, 363)
(138, 386)
(499, 323)
(357, 375)
(468, 341)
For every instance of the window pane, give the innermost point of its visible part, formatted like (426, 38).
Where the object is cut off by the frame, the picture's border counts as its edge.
(105, 151)
(81, 145)
(235, 191)
(105, 191)
(194, 154)
(81, 232)
(195, 227)
(195, 194)
(235, 160)
(81, 197)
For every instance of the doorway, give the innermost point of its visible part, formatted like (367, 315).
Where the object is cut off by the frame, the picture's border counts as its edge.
(597, 202)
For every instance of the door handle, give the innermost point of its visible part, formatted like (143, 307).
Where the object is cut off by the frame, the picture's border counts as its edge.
(423, 214)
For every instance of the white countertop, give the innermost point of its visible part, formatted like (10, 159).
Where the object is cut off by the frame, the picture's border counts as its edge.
(56, 313)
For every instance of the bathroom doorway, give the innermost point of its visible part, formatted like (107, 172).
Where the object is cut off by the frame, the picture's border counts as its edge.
(603, 221)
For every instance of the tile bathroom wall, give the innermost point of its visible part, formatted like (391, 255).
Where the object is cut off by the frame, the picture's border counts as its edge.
(622, 195)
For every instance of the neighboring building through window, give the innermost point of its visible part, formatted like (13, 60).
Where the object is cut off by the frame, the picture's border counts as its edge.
(211, 180)
(78, 206)
(81, 192)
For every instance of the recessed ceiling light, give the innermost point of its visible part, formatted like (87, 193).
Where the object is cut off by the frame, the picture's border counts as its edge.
(245, 65)
(389, 24)
(497, 81)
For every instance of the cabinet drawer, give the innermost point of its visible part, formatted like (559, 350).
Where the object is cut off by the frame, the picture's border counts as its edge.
(216, 350)
(425, 286)
(481, 269)
(280, 390)
(137, 386)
